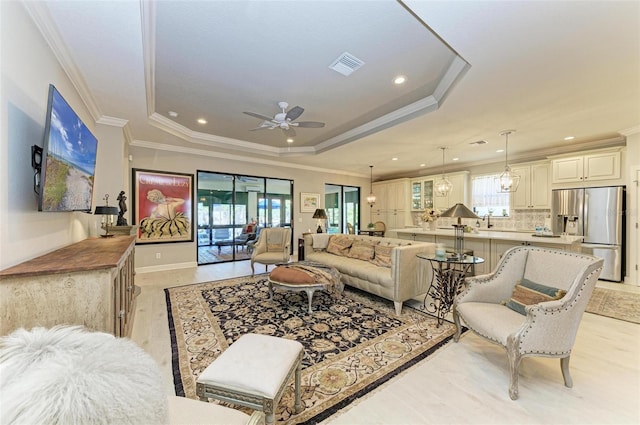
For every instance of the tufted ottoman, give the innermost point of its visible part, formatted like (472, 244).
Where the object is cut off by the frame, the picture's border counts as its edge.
(305, 276)
(253, 372)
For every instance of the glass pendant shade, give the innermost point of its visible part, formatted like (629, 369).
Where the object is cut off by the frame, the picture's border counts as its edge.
(371, 198)
(508, 180)
(443, 186)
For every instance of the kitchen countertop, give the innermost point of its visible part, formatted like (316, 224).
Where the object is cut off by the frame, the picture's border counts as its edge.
(494, 235)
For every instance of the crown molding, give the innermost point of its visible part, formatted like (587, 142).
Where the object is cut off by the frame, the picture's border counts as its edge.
(630, 131)
(112, 121)
(254, 160)
(42, 18)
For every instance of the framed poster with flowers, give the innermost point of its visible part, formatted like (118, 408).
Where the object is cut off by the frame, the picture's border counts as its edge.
(163, 206)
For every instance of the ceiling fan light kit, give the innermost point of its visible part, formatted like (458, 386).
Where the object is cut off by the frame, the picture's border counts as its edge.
(284, 120)
(508, 180)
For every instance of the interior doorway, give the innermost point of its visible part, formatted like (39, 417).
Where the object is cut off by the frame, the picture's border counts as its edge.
(342, 205)
(232, 209)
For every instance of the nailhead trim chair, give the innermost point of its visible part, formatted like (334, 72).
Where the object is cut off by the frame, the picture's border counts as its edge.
(549, 328)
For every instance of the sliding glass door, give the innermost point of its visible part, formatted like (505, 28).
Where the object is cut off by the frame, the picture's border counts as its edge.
(232, 209)
(342, 205)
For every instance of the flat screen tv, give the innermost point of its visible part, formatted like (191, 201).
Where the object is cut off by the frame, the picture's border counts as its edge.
(68, 159)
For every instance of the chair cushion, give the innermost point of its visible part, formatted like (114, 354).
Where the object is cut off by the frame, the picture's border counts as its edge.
(527, 293)
(339, 245)
(273, 247)
(362, 250)
(493, 321)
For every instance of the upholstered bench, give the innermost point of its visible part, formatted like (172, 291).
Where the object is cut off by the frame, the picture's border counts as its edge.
(253, 372)
(305, 276)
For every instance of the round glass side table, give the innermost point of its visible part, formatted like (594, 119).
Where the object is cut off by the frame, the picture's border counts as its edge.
(446, 281)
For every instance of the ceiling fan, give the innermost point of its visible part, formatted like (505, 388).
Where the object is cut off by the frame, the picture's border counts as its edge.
(284, 120)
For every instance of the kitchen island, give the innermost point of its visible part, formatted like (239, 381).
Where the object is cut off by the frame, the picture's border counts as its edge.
(487, 244)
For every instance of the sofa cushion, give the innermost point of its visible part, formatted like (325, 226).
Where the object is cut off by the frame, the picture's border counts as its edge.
(339, 245)
(382, 255)
(362, 250)
(527, 293)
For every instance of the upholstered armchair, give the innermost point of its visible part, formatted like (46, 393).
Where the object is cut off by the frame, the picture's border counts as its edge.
(531, 304)
(273, 247)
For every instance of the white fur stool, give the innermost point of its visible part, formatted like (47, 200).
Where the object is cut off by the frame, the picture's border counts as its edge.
(253, 372)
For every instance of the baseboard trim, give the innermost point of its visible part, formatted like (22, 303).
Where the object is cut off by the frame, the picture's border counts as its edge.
(166, 267)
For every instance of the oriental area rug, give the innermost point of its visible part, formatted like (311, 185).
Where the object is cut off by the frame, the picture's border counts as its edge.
(353, 341)
(618, 304)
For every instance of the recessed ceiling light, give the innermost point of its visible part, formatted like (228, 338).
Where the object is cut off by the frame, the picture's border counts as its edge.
(173, 114)
(478, 143)
(455, 159)
(289, 140)
(500, 150)
(394, 159)
(400, 79)
(423, 165)
(569, 138)
(202, 121)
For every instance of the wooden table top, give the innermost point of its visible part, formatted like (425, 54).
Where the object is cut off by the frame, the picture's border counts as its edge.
(89, 254)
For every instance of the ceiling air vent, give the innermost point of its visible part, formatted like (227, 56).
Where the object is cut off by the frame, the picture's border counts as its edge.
(346, 64)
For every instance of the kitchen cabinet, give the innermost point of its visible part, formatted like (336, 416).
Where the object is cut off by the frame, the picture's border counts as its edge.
(480, 247)
(421, 194)
(392, 203)
(586, 168)
(534, 190)
(458, 194)
(499, 247)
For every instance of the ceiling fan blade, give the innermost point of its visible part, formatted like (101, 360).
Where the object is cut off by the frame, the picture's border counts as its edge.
(290, 132)
(262, 117)
(309, 124)
(294, 113)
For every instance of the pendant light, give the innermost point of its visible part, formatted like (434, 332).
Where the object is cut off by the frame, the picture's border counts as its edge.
(443, 186)
(508, 180)
(371, 198)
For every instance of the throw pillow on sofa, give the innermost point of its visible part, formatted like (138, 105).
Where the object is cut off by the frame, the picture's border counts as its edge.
(382, 255)
(362, 250)
(339, 245)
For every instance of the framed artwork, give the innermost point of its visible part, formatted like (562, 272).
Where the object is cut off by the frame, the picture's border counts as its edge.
(309, 202)
(163, 206)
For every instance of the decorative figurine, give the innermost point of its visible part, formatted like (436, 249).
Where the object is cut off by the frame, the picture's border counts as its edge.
(123, 209)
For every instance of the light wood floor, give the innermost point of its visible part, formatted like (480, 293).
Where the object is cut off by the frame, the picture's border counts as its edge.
(463, 383)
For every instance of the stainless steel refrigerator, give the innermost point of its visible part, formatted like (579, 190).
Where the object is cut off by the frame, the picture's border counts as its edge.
(597, 214)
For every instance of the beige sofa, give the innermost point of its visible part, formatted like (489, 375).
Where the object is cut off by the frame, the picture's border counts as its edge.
(391, 270)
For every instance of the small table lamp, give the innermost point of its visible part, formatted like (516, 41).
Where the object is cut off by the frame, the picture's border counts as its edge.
(320, 214)
(107, 214)
(459, 211)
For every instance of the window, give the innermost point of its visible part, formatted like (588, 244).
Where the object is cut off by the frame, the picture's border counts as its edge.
(485, 198)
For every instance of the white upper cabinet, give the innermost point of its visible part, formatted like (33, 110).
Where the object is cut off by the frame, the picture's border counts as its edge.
(535, 186)
(584, 168)
(421, 194)
(458, 194)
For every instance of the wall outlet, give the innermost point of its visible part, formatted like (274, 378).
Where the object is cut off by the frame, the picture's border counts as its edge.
(158, 255)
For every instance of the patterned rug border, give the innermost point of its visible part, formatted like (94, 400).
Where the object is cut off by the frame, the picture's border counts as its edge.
(331, 410)
(615, 304)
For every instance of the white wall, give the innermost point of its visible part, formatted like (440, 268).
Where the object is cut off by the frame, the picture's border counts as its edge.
(28, 67)
(632, 167)
(184, 254)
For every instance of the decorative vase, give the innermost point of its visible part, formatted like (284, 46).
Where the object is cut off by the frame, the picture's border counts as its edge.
(432, 225)
(425, 225)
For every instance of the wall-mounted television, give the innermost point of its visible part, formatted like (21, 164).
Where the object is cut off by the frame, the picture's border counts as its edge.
(68, 160)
